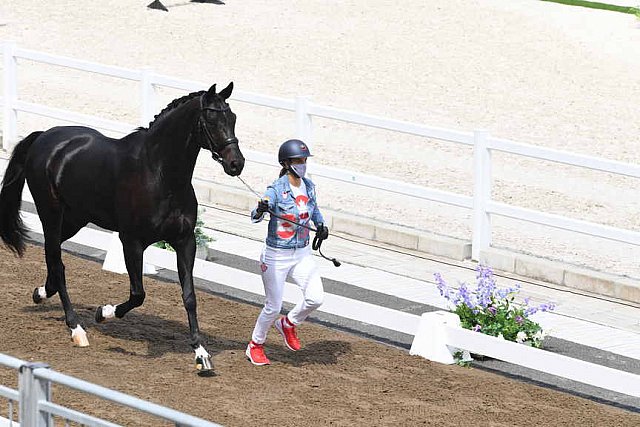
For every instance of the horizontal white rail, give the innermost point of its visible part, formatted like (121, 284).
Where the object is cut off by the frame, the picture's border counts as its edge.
(240, 96)
(544, 361)
(564, 223)
(9, 393)
(77, 64)
(390, 124)
(69, 116)
(10, 361)
(73, 415)
(392, 186)
(121, 398)
(564, 157)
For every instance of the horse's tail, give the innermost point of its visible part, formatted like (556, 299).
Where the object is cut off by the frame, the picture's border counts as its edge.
(12, 229)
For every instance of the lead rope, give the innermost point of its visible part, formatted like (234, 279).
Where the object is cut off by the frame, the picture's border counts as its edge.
(317, 243)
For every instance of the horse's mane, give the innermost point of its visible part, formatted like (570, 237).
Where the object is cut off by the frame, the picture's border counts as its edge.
(172, 105)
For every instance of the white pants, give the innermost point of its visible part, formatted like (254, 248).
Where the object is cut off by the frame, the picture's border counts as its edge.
(276, 264)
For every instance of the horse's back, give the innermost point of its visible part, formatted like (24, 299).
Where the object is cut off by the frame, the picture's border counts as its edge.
(77, 166)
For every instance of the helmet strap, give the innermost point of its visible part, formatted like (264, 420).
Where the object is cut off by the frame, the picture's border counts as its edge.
(286, 164)
(293, 172)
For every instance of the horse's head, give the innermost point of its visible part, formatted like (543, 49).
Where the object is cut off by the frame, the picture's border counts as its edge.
(217, 123)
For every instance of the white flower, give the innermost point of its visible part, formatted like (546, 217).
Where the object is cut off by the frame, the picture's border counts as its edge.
(501, 336)
(540, 335)
(521, 337)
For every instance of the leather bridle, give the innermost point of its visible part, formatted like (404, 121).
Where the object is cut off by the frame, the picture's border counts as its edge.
(210, 139)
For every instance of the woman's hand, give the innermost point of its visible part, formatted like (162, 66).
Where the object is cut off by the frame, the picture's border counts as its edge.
(322, 232)
(263, 206)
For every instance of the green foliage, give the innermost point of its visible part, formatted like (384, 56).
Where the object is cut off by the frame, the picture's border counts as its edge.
(202, 239)
(164, 245)
(596, 5)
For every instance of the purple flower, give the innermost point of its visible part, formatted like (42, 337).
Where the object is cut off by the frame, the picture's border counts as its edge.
(542, 307)
(546, 307)
(477, 328)
(519, 320)
(440, 283)
(486, 285)
(505, 292)
(466, 296)
(493, 310)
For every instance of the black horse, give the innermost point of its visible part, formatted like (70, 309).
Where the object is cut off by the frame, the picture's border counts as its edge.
(139, 185)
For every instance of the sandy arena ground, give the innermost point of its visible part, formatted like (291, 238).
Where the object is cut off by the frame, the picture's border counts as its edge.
(337, 379)
(535, 72)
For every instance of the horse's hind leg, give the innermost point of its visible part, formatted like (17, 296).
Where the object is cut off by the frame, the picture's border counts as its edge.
(50, 287)
(133, 252)
(55, 275)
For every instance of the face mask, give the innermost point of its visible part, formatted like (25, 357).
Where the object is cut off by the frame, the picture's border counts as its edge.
(299, 170)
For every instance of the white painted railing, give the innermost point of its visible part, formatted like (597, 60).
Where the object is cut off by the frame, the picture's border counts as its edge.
(434, 333)
(440, 335)
(36, 408)
(481, 204)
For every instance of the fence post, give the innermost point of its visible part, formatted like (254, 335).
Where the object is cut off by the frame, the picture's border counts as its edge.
(32, 390)
(303, 122)
(147, 97)
(9, 114)
(481, 194)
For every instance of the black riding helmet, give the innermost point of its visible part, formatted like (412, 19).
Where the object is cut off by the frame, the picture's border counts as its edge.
(292, 149)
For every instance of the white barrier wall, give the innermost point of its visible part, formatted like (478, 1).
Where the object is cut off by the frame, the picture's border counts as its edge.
(440, 335)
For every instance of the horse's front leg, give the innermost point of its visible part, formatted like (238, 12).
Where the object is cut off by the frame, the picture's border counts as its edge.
(186, 253)
(133, 251)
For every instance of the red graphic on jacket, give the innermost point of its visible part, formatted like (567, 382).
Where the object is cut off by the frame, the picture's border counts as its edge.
(286, 230)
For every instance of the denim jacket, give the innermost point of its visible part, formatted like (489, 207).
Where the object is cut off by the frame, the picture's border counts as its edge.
(283, 234)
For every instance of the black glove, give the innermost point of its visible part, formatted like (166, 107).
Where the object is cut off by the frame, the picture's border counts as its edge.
(263, 206)
(322, 232)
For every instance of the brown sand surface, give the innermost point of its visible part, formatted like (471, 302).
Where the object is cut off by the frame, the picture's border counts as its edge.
(337, 379)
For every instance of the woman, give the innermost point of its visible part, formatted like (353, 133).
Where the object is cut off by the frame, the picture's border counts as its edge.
(291, 197)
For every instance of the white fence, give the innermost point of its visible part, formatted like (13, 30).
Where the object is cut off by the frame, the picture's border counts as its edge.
(440, 334)
(434, 333)
(481, 204)
(36, 408)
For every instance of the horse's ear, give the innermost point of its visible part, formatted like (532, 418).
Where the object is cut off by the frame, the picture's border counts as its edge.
(226, 92)
(211, 93)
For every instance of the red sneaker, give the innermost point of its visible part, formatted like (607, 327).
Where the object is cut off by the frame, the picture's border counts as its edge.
(288, 332)
(255, 353)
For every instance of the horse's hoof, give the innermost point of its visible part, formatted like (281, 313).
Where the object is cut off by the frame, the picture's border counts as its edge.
(99, 317)
(79, 337)
(37, 298)
(203, 364)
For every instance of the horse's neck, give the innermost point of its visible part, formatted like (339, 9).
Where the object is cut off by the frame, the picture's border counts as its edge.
(173, 148)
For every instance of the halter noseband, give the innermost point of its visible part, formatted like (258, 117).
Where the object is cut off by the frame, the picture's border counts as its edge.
(210, 140)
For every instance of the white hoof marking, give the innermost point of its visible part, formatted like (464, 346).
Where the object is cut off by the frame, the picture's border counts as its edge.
(108, 311)
(42, 292)
(201, 352)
